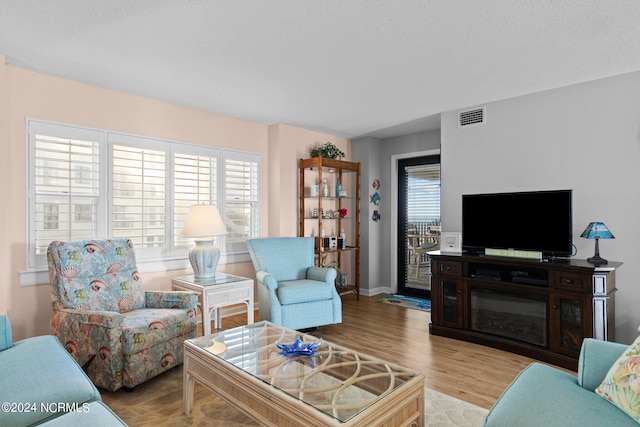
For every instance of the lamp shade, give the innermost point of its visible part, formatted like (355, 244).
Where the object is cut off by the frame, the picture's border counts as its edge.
(203, 221)
(597, 230)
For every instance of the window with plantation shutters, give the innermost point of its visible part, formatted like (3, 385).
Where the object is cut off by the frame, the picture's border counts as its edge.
(64, 182)
(195, 182)
(139, 195)
(241, 199)
(90, 183)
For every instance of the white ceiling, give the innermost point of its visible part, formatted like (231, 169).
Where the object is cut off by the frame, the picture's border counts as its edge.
(346, 67)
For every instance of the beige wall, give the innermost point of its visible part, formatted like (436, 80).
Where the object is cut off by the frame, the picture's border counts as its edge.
(287, 145)
(25, 94)
(5, 249)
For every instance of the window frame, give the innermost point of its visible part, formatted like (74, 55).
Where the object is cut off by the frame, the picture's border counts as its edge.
(171, 255)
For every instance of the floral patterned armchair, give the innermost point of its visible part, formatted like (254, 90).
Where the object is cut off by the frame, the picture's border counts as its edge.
(120, 334)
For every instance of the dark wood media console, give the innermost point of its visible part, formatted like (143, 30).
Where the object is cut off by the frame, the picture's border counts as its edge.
(540, 309)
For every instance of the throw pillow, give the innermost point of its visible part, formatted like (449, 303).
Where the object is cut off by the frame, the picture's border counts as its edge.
(621, 386)
(5, 332)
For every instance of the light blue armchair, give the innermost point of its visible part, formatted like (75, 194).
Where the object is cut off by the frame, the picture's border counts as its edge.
(292, 292)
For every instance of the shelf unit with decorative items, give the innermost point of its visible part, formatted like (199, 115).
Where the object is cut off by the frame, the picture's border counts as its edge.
(329, 210)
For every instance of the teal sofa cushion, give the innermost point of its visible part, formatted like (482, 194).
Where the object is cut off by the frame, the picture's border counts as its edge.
(39, 371)
(596, 358)
(5, 332)
(545, 396)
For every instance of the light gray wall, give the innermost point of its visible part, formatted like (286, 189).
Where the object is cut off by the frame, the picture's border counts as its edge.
(367, 151)
(377, 238)
(582, 137)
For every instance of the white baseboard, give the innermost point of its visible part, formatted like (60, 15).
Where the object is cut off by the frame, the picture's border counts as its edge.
(376, 291)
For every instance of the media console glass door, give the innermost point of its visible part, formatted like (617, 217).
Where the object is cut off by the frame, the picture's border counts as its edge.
(449, 296)
(569, 314)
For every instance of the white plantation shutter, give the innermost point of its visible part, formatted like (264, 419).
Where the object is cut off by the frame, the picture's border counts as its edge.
(241, 189)
(195, 182)
(139, 192)
(64, 186)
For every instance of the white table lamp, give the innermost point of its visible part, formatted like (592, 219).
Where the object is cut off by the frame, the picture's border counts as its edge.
(203, 223)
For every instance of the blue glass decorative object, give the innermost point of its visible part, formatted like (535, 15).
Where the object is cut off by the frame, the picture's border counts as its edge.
(298, 348)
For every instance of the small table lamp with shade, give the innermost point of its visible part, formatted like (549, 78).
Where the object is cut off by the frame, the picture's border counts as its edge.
(597, 230)
(203, 223)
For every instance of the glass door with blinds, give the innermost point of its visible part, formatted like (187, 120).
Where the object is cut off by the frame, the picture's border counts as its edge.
(418, 222)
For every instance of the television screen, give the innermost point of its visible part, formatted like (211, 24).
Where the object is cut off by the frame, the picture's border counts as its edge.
(532, 221)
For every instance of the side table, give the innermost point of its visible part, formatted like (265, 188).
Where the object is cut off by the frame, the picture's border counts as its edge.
(216, 292)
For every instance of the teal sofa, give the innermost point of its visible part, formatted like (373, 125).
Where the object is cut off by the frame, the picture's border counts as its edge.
(41, 384)
(544, 396)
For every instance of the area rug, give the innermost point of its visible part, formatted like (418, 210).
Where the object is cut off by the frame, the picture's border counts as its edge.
(409, 302)
(441, 410)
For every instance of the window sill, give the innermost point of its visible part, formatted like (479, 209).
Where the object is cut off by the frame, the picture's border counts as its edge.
(40, 276)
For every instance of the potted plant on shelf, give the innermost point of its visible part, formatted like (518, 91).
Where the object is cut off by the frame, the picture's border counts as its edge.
(328, 151)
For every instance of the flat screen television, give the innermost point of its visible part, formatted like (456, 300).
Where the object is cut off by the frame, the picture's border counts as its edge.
(531, 221)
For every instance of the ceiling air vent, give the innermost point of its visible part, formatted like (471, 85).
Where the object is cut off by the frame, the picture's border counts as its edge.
(471, 117)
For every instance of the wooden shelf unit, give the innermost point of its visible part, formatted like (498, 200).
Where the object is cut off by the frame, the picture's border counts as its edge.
(312, 171)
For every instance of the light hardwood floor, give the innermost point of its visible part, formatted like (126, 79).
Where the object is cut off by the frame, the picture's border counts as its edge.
(470, 372)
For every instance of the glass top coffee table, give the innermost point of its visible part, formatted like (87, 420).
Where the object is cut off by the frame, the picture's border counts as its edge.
(335, 386)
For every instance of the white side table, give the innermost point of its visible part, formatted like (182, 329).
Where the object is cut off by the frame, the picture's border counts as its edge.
(215, 293)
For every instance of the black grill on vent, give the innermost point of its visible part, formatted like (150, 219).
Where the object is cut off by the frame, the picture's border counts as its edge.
(471, 117)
